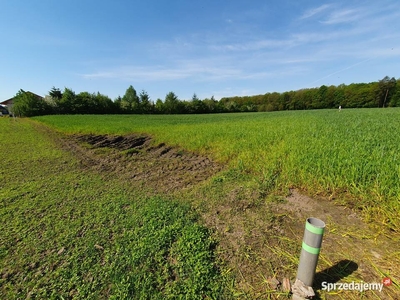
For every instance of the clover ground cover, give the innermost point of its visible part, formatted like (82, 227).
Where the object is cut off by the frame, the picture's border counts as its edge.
(69, 233)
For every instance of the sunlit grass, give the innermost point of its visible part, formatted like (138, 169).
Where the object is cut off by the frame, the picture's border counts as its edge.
(68, 233)
(352, 156)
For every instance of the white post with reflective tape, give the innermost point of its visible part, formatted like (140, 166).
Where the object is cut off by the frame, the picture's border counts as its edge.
(310, 249)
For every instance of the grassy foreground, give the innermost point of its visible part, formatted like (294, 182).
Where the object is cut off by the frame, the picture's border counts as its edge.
(67, 233)
(352, 156)
(99, 236)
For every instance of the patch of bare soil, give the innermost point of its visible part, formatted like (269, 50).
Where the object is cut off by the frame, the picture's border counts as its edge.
(262, 243)
(351, 250)
(136, 158)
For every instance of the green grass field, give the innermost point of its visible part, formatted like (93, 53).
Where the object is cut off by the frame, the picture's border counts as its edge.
(70, 231)
(352, 155)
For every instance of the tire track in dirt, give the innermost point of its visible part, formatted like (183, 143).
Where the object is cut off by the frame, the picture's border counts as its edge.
(136, 158)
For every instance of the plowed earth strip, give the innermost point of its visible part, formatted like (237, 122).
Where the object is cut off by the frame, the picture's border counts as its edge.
(135, 157)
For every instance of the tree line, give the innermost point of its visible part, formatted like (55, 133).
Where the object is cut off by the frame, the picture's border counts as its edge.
(383, 93)
(68, 102)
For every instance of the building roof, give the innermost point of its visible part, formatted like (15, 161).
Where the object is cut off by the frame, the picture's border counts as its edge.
(11, 100)
(6, 102)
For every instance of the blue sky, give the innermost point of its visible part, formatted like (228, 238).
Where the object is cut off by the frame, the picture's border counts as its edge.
(220, 48)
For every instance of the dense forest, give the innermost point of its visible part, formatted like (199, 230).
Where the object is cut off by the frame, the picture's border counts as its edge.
(383, 93)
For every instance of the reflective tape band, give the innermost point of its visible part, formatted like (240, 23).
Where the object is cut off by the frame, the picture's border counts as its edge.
(313, 229)
(310, 249)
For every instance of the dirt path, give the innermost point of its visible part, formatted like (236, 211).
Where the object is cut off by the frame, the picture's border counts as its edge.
(136, 158)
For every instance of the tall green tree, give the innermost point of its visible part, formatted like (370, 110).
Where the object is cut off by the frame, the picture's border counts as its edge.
(130, 101)
(387, 87)
(159, 107)
(53, 99)
(196, 106)
(103, 104)
(55, 93)
(395, 99)
(322, 96)
(67, 103)
(118, 104)
(27, 104)
(339, 95)
(84, 103)
(212, 105)
(146, 106)
(172, 104)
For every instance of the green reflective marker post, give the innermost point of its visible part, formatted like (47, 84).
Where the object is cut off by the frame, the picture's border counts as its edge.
(310, 249)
